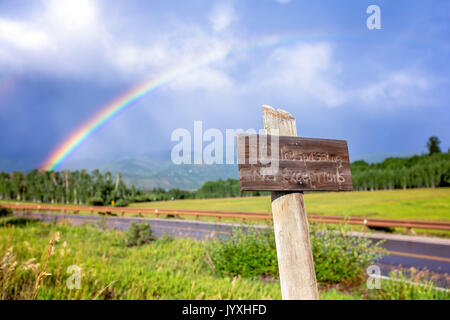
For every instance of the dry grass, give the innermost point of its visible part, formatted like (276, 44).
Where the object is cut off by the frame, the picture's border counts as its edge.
(9, 272)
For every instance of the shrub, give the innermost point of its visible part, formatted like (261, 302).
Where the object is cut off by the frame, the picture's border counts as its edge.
(16, 221)
(122, 203)
(142, 198)
(166, 238)
(96, 201)
(246, 254)
(107, 213)
(340, 257)
(4, 212)
(139, 234)
(337, 257)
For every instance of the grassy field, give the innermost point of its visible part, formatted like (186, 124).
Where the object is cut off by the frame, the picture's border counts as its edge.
(417, 204)
(34, 267)
(164, 269)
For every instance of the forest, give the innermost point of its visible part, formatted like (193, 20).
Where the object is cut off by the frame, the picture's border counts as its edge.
(418, 171)
(96, 188)
(424, 171)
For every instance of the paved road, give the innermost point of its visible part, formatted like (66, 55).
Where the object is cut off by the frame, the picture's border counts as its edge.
(405, 251)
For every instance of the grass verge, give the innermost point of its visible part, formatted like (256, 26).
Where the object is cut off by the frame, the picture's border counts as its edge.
(32, 267)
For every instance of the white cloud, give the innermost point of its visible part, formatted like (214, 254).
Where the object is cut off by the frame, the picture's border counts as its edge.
(72, 15)
(304, 71)
(205, 78)
(398, 87)
(22, 36)
(183, 47)
(72, 39)
(311, 75)
(222, 16)
(63, 37)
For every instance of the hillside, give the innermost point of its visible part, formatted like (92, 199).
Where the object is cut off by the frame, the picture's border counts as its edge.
(155, 171)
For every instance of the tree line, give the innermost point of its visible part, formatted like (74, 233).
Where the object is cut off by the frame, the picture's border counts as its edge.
(419, 171)
(96, 188)
(425, 171)
(70, 187)
(81, 187)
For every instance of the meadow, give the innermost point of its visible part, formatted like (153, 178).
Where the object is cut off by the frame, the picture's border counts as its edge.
(165, 269)
(417, 204)
(38, 260)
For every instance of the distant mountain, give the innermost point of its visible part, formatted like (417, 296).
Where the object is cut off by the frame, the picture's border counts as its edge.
(150, 171)
(168, 175)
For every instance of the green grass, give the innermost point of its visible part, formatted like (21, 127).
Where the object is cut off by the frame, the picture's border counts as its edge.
(334, 294)
(417, 204)
(165, 269)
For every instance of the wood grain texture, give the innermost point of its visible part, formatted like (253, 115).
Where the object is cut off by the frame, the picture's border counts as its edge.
(295, 260)
(279, 122)
(303, 164)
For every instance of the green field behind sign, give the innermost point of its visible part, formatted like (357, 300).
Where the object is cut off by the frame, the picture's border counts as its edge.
(416, 204)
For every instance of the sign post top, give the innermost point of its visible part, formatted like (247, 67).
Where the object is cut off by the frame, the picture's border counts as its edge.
(278, 122)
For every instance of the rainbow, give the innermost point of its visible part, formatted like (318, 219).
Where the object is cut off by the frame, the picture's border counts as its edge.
(126, 100)
(88, 128)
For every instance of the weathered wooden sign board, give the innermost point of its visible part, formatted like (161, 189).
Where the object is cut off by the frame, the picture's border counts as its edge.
(301, 163)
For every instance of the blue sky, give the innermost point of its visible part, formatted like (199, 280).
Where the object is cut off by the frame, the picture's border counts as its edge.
(384, 91)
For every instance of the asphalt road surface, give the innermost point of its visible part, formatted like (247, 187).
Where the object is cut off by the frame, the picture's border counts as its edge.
(405, 251)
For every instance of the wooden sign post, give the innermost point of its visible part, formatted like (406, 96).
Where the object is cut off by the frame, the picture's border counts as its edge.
(295, 164)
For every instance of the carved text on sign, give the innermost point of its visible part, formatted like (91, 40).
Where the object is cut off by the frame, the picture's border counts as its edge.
(302, 164)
